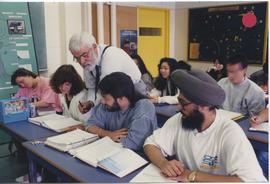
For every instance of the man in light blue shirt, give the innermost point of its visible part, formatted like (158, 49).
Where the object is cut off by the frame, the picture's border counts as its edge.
(123, 115)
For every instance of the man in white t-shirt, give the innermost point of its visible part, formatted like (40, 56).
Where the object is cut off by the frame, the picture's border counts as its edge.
(208, 147)
(100, 60)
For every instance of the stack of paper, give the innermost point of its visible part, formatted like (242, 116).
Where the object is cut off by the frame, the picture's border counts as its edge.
(71, 140)
(263, 127)
(110, 156)
(55, 122)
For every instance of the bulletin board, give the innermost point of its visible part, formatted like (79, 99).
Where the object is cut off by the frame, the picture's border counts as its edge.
(16, 44)
(223, 31)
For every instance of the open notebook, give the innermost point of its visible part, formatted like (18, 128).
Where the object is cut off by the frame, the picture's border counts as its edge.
(263, 127)
(152, 174)
(70, 140)
(55, 122)
(110, 156)
(231, 115)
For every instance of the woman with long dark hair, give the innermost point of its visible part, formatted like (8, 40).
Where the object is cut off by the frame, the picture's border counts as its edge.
(165, 91)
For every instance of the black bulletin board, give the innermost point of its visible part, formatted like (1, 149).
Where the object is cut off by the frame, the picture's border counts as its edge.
(219, 32)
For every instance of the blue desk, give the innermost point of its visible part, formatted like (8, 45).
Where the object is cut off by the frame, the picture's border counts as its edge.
(259, 140)
(25, 131)
(68, 168)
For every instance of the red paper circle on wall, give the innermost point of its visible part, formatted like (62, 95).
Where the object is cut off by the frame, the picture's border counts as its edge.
(249, 20)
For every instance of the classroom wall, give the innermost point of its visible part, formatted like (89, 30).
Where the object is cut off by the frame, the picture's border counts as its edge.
(64, 19)
(181, 43)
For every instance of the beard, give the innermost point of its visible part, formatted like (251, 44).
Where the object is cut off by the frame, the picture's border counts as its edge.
(193, 121)
(115, 107)
(90, 65)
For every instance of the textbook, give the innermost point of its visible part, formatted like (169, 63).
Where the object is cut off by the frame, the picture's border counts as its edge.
(231, 115)
(70, 140)
(109, 155)
(152, 174)
(263, 127)
(55, 122)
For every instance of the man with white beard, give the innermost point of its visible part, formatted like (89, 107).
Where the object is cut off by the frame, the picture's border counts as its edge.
(98, 61)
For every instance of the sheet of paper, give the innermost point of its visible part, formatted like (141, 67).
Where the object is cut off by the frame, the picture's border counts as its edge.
(152, 174)
(23, 54)
(263, 127)
(123, 162)
(96, 151)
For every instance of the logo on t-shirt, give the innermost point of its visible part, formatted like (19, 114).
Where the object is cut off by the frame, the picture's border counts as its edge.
(210, 162)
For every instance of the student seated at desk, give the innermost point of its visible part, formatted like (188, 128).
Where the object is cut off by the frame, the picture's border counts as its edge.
(208, 146)
(36, 88)
(69, 84)
(123, 114)
(242, 95)
(165, 91)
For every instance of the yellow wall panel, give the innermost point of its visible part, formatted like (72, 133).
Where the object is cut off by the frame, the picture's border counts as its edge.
(153, 48)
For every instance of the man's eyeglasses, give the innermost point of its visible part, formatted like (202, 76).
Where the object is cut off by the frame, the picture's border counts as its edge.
(183, 102)
(84, 55)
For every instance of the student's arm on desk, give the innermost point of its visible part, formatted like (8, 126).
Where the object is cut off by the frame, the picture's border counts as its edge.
(170, 168)
(175, 169)
(116, 135)
(41, 104)
(260, 118)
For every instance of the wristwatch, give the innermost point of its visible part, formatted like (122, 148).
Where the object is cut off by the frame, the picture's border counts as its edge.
(192, 176)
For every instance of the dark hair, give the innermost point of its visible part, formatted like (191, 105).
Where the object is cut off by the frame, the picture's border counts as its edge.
(183, 65)
(21, 72)
(67, 73)
(238, 59)
(161, 83)
(118, 84)
(141, 65)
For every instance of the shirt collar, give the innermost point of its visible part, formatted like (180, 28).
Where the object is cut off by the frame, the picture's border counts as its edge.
(210, 128)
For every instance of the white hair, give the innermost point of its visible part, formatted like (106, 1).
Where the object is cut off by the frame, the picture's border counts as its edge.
(81, 39)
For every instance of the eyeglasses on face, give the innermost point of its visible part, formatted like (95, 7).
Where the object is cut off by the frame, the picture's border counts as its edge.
(83, 55)
(183, 102)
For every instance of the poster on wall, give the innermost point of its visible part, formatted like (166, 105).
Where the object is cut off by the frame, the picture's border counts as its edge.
(128, 41)
(16, 44)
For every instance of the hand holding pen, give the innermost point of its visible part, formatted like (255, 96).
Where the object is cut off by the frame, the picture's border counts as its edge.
(84, 107)
(254, 120)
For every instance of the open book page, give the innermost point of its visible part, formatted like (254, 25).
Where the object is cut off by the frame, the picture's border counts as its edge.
(122, 163)
(40, 119)
(151, 173)
(263, 127)
(231, 115)
(60, 125)
(96, 151)
(70, 140)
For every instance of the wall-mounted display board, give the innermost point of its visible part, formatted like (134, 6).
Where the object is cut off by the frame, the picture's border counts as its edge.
(16, 44)
(223, 31)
